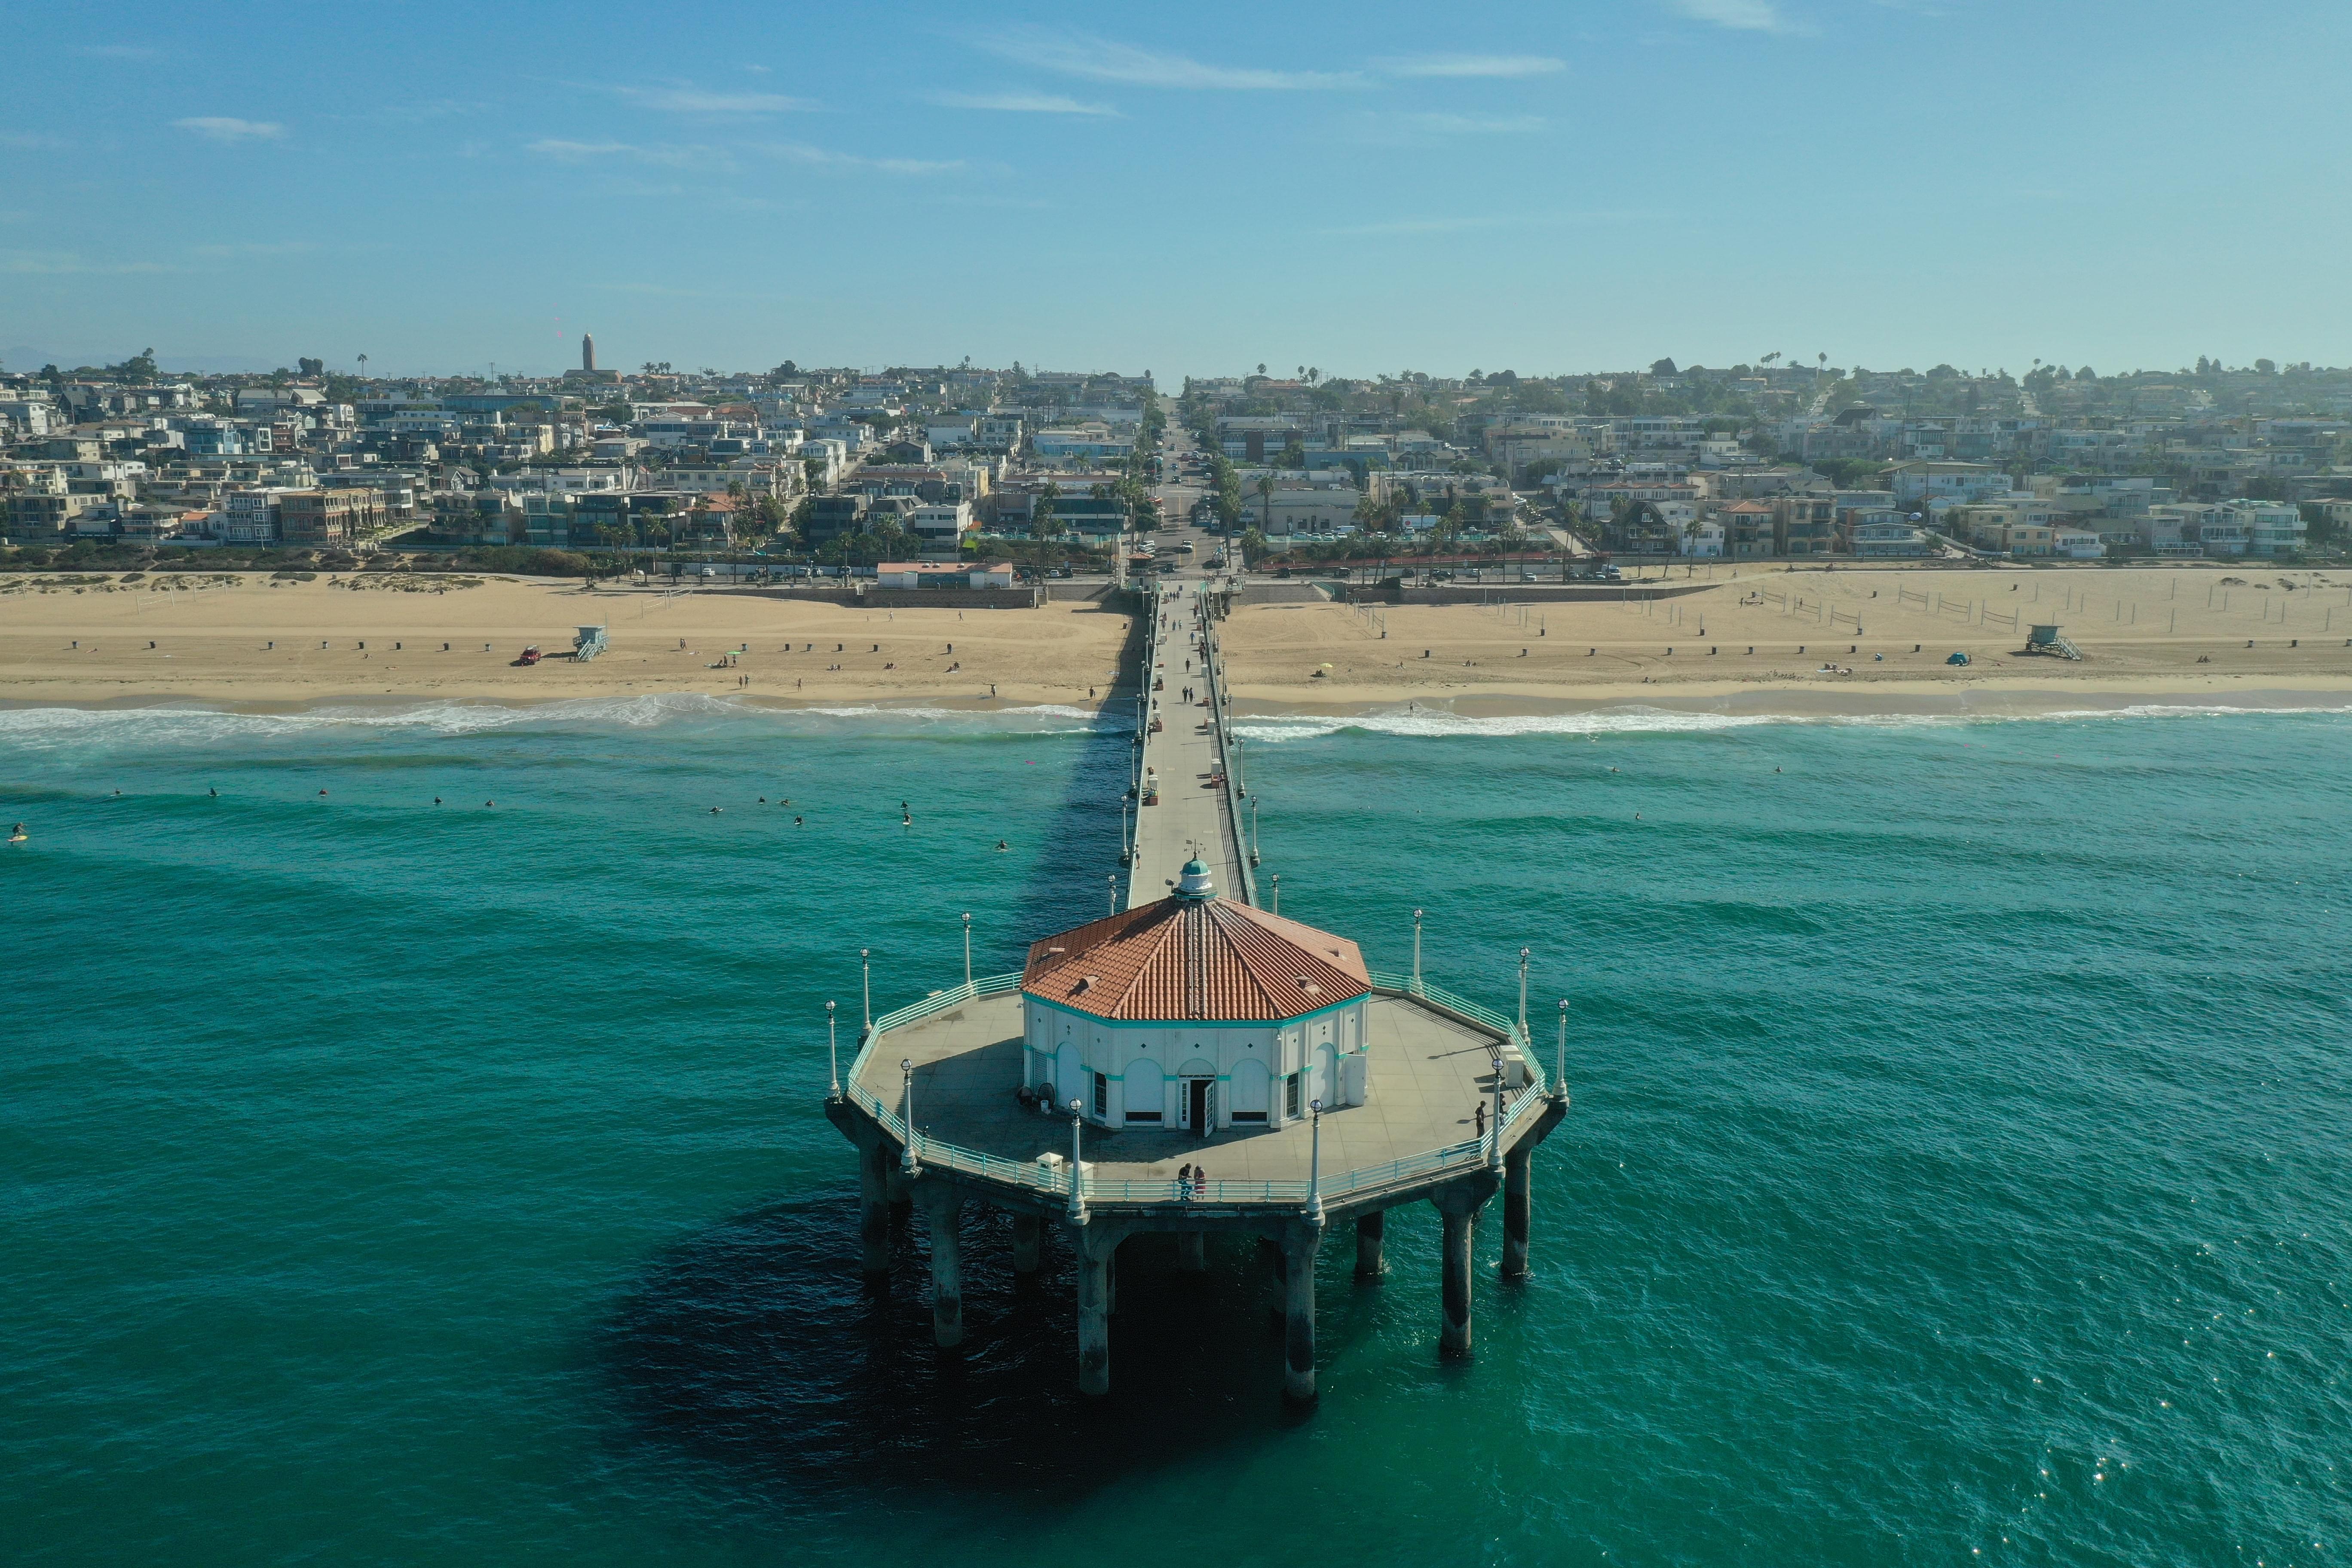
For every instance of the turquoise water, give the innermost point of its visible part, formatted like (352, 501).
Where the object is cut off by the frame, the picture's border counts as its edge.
(1955, 1171)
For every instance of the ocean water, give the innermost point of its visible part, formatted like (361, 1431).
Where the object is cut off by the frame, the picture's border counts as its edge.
(1956, 1171)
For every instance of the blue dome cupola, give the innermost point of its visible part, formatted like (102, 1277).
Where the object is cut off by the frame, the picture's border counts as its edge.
(1192, 884)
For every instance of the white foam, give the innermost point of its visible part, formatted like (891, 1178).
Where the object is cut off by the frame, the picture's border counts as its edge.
(41, 727)
(1442, 723)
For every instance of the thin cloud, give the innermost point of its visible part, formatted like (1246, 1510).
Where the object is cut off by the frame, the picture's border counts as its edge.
(1102, 59)
(1462, 225)
(1422, 130)
(275, 247)
(29, 141)
(694, 101)
(67, 263)
(583, 151)
(228, 128)
(1023, 103)
(1403, 226)
(1476, 124)
(1739, 16)
(1469, 65)
(825, 158)
(554, 147)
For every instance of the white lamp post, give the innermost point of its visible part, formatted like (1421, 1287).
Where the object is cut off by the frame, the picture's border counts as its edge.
(907, 1068)
(1523, 992)
(833, 1048)
(865, 960)
(1495, 1152)
(1314, 1162)
(967, 950)
(1559, 1062)
(1077, 1166)
(1416, 953)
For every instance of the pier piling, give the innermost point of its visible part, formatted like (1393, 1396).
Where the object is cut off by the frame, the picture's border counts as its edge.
(1094, 1314)
(1516, 1206)
(1298, 1245)
(1192, 1252)
(945, 1211)
(874, 1162)
(1459, 1204)
(1370, 1230)
(1028, 1244)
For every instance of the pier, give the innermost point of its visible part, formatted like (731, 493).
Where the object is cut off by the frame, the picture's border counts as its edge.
(1194, 1064)
(1198, 807)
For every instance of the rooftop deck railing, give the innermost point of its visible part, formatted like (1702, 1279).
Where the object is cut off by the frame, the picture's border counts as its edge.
(1037, 1179)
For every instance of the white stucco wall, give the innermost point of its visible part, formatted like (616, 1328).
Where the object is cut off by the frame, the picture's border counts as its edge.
(1249, 1063)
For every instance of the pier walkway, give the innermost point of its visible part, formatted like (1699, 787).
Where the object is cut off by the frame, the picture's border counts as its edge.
(1199, 801)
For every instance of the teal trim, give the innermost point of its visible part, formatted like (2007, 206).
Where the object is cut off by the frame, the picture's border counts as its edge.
(1195, 1023)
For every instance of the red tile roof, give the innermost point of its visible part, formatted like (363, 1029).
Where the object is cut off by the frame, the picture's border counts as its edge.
(1185, 959)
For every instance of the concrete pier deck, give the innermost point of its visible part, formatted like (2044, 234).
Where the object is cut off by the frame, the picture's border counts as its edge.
(1195, 814)
(1430, 1074)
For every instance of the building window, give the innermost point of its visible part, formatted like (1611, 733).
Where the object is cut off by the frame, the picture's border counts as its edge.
(1102, 1096)
(1291, 1097)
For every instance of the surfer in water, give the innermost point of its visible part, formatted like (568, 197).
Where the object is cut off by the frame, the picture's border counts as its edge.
(1001, 845)
(16, 835)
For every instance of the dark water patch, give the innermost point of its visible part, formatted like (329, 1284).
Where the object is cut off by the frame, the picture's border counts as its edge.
(757, 1347)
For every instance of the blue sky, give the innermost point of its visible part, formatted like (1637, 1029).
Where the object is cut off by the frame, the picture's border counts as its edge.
(1194, 188)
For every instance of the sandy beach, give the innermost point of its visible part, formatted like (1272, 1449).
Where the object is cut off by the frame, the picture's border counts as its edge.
(1759, 642)
(345, 637)
(1885, 636)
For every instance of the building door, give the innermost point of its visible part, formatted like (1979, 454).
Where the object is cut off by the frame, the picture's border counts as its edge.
(1198, 1104)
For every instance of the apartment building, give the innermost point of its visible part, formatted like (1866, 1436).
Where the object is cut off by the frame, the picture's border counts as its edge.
(327, 517)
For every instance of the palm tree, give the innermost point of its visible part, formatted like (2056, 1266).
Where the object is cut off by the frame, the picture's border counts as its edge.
(1265, 501)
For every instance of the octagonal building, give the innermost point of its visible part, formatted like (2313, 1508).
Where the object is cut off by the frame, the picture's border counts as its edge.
(1195, 1014)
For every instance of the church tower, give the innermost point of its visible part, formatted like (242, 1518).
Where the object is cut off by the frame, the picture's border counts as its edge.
(588, 352)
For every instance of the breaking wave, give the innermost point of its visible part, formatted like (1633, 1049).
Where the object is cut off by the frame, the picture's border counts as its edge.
(1441, 723)
(42, 728)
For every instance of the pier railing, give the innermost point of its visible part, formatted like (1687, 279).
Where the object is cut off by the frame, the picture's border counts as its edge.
(1055, 1182)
